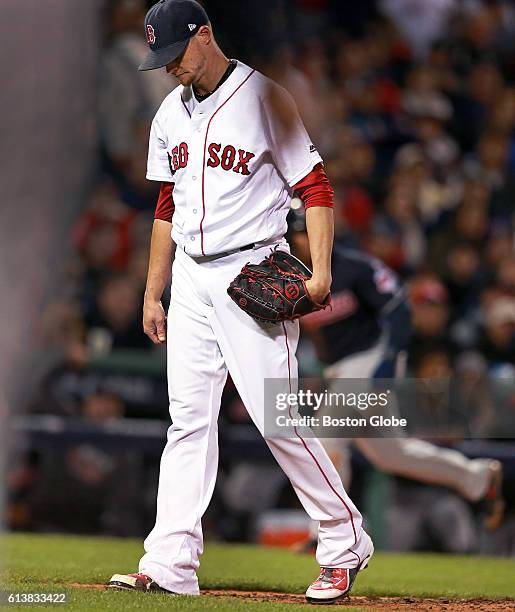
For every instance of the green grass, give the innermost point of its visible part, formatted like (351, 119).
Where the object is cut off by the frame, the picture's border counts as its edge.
(51, 563)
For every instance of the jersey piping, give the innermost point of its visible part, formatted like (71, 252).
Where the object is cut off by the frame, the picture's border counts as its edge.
(204, 158)
(185, 107)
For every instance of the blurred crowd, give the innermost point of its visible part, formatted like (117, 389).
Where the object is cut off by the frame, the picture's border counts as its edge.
(418, 141)
(412, 106)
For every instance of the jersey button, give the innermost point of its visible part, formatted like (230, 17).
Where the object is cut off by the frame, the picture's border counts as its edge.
(199, 129)
(195, 211)
(192, 238)
(193, 178)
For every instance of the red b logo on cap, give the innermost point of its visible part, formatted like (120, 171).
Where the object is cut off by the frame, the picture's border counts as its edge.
(151, 36)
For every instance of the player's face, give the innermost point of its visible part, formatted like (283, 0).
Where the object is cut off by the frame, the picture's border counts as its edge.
(189, 66)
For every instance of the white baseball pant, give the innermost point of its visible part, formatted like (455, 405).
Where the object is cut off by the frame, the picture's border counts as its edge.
(208, 336)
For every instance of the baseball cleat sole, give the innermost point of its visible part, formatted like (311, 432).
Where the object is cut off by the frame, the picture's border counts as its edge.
(135, 582)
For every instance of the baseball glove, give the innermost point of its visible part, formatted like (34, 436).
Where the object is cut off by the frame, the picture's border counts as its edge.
(274, 290)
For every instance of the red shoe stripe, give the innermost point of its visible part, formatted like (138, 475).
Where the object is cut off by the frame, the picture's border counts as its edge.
(343, 581)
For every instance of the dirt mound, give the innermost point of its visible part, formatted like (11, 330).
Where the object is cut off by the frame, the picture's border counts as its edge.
(366, 603)
(381, 603)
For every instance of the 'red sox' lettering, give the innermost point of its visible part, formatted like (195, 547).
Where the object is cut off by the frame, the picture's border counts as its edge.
(179, 157)
(228, 158)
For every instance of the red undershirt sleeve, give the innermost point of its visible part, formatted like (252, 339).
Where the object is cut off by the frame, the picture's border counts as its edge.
(315, 189)
(165, 206)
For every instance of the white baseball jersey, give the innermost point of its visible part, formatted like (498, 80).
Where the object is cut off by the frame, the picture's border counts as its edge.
(232, 163)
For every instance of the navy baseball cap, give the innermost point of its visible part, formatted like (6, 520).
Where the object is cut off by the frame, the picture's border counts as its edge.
(169, 25)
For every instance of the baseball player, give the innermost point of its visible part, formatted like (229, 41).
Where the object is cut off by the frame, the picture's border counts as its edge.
(365, 335)
(227, 167)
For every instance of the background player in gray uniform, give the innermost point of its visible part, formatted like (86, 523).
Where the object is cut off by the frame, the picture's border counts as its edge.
(366, 335)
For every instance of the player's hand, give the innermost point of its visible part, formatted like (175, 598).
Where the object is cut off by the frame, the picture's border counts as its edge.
(318, 290)
(154, 321)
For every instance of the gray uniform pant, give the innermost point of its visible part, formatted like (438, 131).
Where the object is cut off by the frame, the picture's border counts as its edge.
(407, 457)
